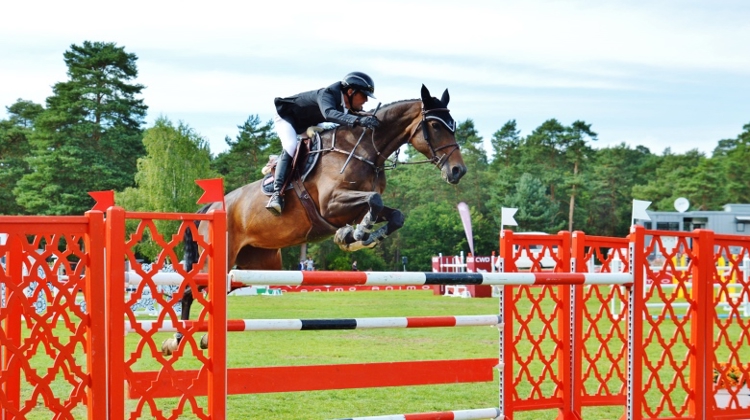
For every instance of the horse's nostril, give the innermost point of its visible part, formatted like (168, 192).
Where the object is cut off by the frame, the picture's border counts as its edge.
(458, 171)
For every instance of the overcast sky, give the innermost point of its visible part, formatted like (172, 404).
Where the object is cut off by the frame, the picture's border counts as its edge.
(653, 73)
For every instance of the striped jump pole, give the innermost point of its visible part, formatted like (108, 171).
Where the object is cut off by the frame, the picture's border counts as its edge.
(164, 278)
(234, 325)
(161, 278)
(406, 278)
(481, 413)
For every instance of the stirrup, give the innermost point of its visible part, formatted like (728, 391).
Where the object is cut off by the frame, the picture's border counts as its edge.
(275, 204)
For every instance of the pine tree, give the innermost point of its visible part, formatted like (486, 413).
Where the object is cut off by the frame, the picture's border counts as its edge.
(89, 136)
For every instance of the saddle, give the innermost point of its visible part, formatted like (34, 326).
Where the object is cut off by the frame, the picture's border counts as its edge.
(303, 161)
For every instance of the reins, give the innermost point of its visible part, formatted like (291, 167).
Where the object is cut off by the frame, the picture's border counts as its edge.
(437, 160)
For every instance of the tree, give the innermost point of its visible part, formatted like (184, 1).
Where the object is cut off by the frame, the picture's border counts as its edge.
(431, 228)
(711, 172)
(176, 157)
(14, 148)
(506, 144)
(670, 179)
(535, 210)
(247, 154)
(613, 173)
(89, 136)
(542, 159)
(577, 152)
(734, 155)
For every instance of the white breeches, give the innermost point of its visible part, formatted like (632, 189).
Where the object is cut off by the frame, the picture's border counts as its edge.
(286, 134)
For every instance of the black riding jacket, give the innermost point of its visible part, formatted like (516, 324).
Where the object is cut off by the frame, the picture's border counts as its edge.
(311, 108)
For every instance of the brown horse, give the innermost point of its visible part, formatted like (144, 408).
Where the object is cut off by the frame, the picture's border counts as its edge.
(343, 189)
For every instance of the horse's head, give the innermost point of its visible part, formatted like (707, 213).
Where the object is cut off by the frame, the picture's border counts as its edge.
(436, 137)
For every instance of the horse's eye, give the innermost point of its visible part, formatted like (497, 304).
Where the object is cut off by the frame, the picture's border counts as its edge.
(435, 126)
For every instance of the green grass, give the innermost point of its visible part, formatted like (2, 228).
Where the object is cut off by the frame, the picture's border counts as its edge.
(382, 345)
(327, 347)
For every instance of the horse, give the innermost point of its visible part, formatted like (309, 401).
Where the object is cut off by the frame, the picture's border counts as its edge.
(342, 189)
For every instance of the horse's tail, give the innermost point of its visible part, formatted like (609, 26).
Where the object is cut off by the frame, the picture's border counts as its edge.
(191, 254)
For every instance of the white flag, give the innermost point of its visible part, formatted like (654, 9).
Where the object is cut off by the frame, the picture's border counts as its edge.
(463, 211)
(639, 210)
(506, 217)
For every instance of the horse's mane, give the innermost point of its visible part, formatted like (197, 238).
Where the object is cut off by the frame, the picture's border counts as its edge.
(394, 103)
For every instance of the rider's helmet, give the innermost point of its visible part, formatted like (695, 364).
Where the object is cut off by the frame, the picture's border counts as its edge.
(359, 81)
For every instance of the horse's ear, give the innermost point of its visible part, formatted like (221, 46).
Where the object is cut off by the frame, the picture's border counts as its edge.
(446, 97)
(425, 93)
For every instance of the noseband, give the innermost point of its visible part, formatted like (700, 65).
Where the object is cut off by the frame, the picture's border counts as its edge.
(440, 160)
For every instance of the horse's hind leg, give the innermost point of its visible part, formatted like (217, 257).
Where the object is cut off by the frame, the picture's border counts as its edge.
(252, 258)
(190, 257)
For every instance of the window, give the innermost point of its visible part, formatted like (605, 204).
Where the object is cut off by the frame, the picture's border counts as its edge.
(740, 227)
(667, 226)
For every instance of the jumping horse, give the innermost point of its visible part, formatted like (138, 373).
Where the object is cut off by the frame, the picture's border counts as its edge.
(342, 189)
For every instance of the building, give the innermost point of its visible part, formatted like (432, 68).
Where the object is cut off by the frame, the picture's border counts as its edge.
(733, 220)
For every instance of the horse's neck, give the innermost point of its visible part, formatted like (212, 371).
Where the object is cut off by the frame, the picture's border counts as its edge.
(399, 121)
(398, 124)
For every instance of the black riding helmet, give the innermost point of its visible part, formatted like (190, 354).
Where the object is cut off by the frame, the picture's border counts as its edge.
(360, 82)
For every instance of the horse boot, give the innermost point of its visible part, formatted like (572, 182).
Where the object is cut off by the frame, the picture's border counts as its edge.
(276, 203)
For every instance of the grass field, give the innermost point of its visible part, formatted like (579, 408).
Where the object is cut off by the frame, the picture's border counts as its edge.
(326, 347)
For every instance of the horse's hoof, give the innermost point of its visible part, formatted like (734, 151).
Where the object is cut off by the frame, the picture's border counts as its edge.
(354, 246)
(169, 346)
(204, 342)
(361, 235)
(343, 236)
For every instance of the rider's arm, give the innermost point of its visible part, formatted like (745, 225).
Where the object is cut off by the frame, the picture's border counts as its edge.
(329, 99)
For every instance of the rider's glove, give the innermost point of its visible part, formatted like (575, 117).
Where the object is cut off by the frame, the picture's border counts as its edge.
(368, 122)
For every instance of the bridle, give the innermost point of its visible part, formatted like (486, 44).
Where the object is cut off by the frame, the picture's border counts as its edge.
(440, 160)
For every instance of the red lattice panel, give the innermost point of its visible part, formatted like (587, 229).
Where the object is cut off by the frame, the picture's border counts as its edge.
(536, 320)
(46, 325)
(603, 345)
(731, 328)
(668, 343)
(537, 312)
(143, 347)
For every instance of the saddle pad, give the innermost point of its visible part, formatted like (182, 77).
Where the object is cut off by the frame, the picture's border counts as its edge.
(308, 163)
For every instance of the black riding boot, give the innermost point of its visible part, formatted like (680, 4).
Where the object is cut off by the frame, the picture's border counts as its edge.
(276, 203)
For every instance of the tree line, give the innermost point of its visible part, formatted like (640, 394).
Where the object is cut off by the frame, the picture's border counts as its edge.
(91, 135)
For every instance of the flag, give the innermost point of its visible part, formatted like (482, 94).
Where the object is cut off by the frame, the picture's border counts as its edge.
(639, 210)
(104, 199)
(506, 217)
(213, 190)
(463, 211)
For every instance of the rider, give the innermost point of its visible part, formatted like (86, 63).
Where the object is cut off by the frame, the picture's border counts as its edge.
(295, 114)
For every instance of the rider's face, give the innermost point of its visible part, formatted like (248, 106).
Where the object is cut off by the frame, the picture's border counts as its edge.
(358, 100)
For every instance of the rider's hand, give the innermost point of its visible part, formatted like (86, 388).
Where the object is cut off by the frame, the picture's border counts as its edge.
(368, 122)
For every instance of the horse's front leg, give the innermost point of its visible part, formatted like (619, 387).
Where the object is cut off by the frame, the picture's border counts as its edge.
(351, 239)
(362, 232)
(395, 220)
(345, 237)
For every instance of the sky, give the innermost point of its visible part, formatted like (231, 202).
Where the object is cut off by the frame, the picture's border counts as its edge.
(661, 74)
